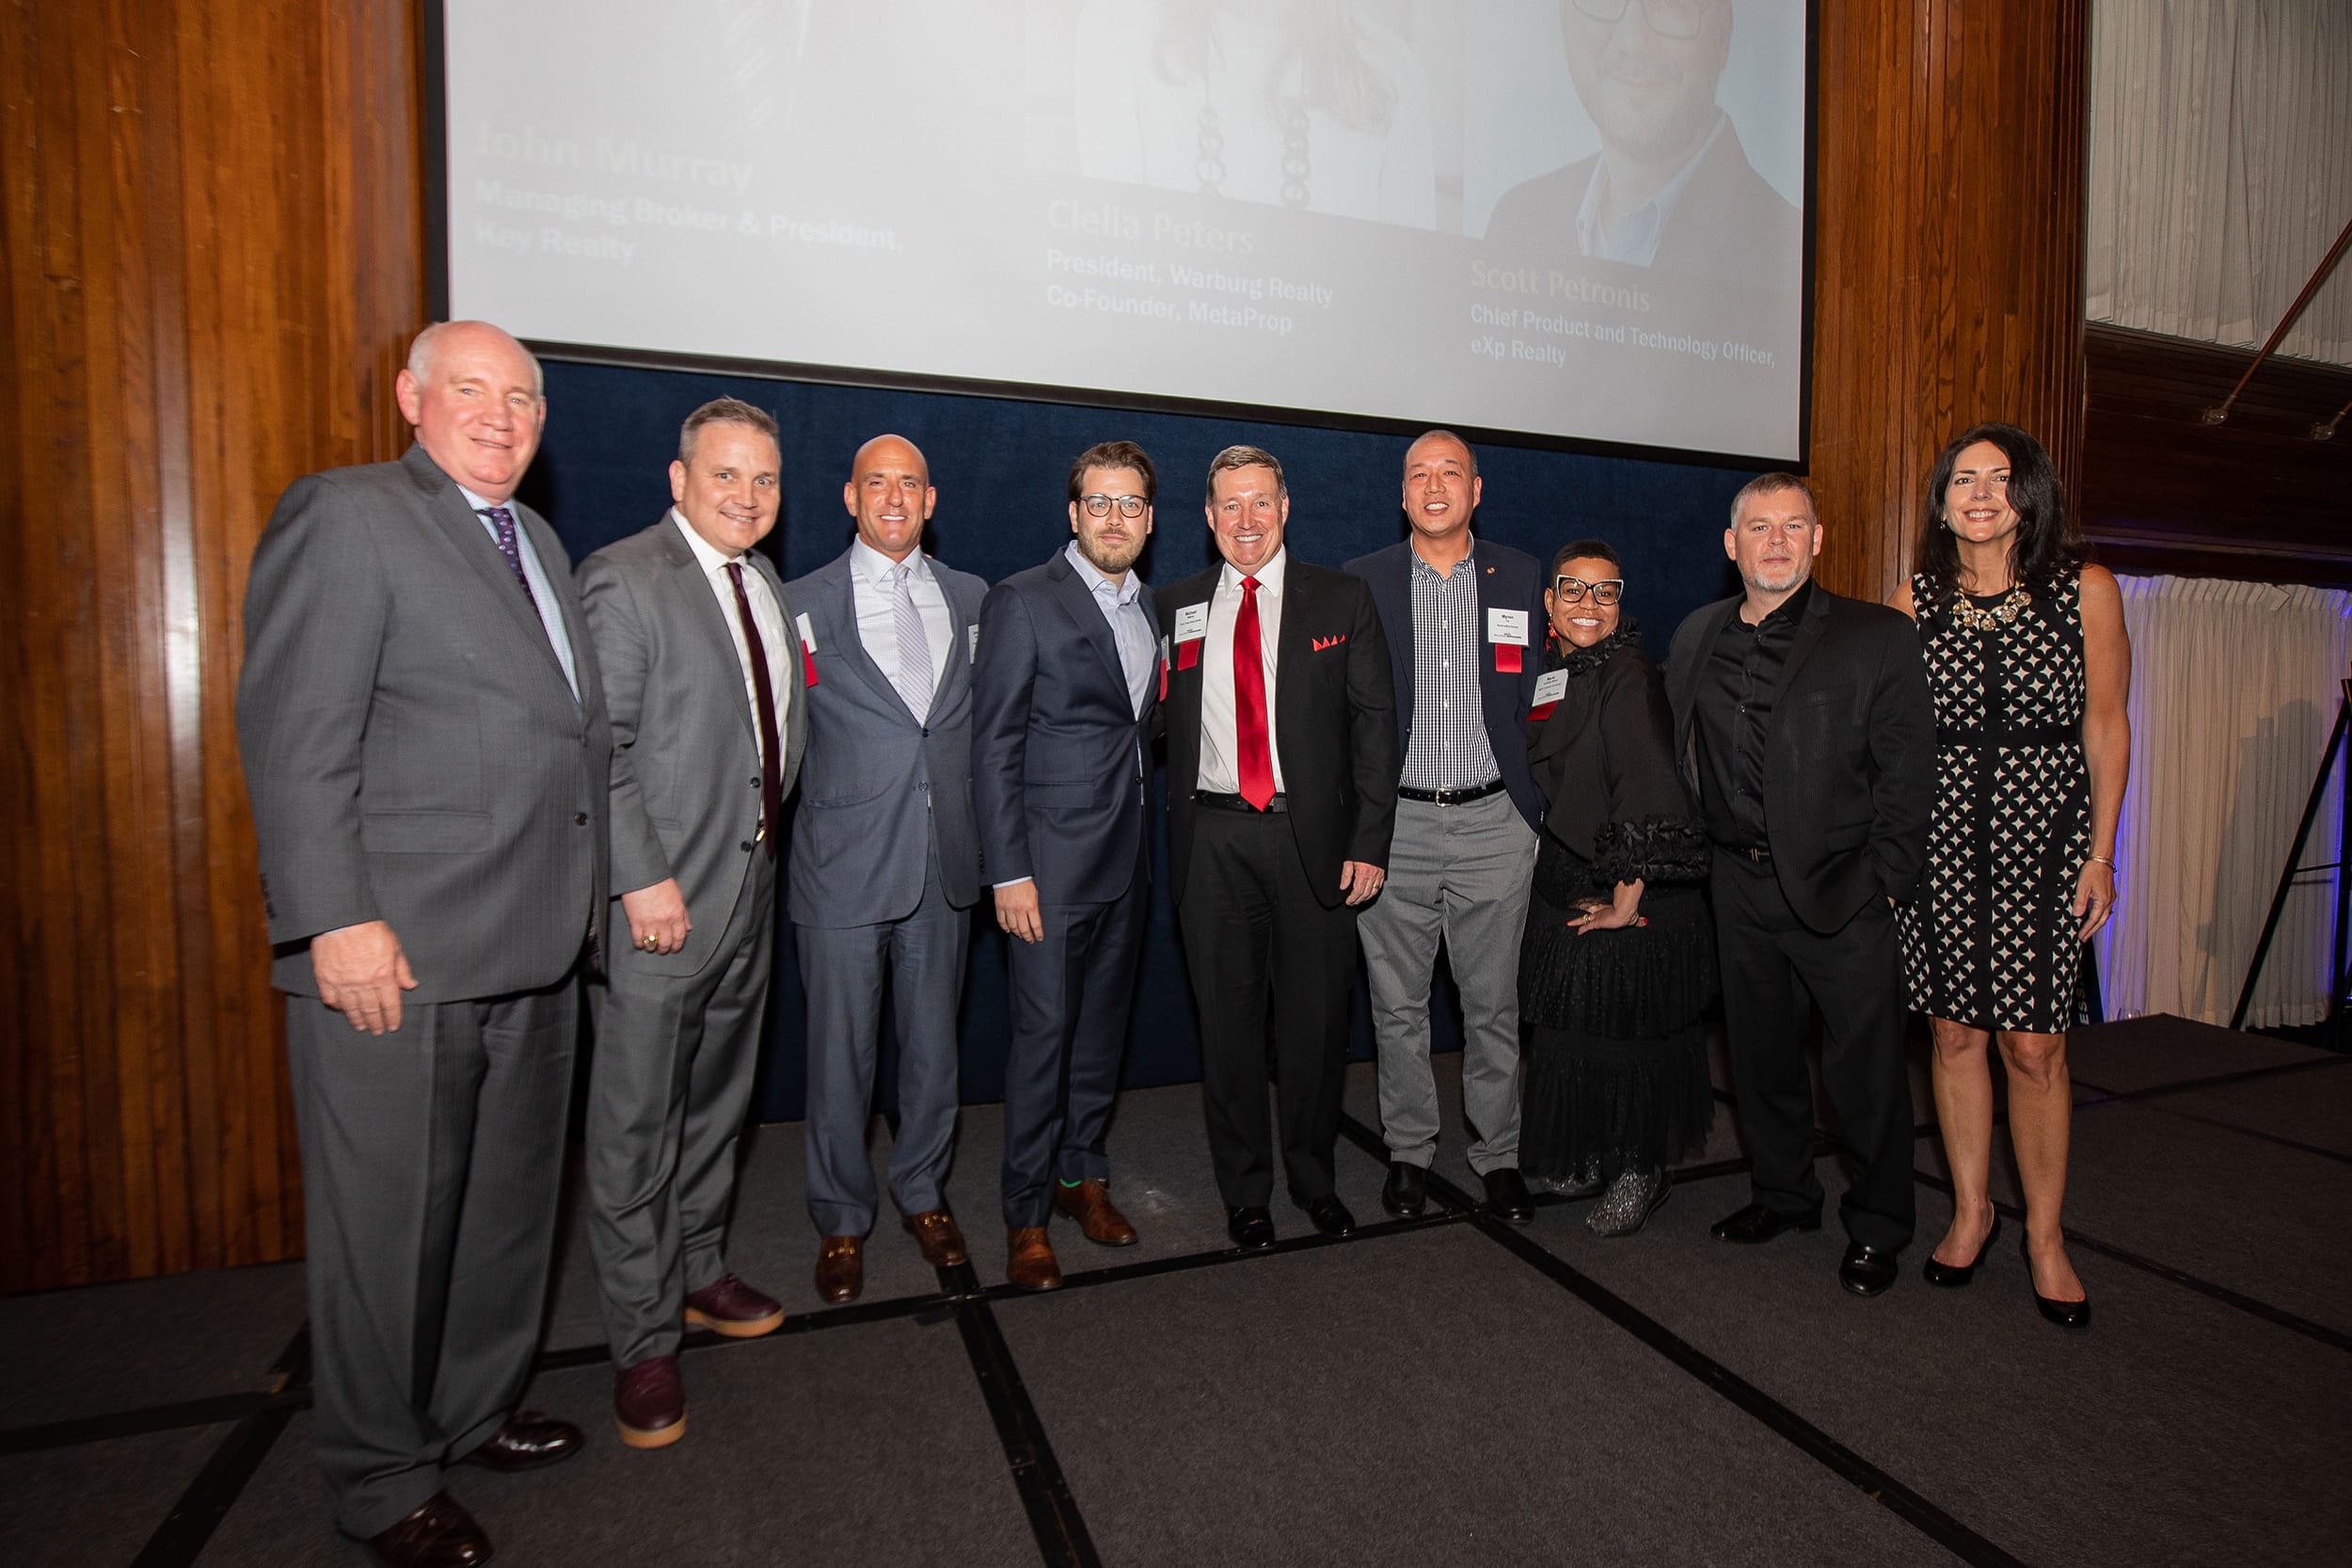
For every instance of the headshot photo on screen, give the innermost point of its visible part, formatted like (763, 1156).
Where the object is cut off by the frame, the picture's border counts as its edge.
(1311, 105)
(1677, 99)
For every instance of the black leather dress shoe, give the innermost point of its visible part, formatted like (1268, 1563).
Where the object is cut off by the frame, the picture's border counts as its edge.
(1406, 1193)
(529, 1439)
(1507, 1197)
(1331, 1215)
(1867, 1271)
(1951, 1276)
(1249, 1226)
(1757, 1224)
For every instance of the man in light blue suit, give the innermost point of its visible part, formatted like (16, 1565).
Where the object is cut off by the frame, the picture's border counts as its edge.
(885, 863)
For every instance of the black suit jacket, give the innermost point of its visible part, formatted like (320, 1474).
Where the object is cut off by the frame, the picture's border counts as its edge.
(1849, 764)
(1334, 724)
(1507, 579)
(1057, 749)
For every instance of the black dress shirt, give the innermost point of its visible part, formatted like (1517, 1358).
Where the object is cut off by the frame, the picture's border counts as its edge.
(1734, 713)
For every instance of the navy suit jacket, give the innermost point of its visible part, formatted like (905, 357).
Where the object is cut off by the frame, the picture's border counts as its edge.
(1507, 579)
(1058, 752)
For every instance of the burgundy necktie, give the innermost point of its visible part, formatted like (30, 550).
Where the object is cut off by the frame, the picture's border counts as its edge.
(1256, 758)
(503, 520)
(771, 740)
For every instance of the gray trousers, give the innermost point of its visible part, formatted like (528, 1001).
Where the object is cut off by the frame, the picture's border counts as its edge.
(843, 968)
(431, 1161)
(1459, 875)
(669, 1086)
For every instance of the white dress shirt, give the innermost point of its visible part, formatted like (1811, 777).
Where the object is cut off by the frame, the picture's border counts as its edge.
(874, 590)
(542, 592)
(1122, 604)
(1220, 741)
(767, 614)
(1633, 238)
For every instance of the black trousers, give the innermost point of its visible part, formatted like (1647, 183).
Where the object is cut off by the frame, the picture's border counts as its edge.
(1773, 966)
(1271, 970)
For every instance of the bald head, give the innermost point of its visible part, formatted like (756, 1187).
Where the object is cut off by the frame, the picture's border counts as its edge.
(890, 495)
(474, 395)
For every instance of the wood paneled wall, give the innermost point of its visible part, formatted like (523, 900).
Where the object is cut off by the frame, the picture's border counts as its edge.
(212, 236)
(1947, 252)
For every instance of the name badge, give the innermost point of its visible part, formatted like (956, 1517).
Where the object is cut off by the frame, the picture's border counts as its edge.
(1192, 622)
(808, 637)
(808, 650)
(1508, 626)
(1551, 687)
(975, 655)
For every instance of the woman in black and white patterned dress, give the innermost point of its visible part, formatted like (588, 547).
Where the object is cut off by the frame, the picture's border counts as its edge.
(2029, 665)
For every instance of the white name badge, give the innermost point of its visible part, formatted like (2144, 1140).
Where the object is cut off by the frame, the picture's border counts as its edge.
(1192, 622)
(1507, 625)
(1164, 641)
(809, 638)
(974, 657)
(1551, 687)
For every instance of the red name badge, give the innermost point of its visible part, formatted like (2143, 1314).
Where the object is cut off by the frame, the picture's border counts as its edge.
(1188, 653)
(1163, 662)
(808, 663)
(1540, 712)
(1507, 654)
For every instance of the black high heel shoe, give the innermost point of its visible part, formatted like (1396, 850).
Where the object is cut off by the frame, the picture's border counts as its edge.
(1953, 1276)
(2071, 1315)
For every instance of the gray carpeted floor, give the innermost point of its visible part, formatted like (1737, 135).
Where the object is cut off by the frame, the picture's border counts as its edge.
(1431, 1393)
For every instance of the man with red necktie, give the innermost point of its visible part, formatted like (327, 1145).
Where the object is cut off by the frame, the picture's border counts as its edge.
(1281, 793)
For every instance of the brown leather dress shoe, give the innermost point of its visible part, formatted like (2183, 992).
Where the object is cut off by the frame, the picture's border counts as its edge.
(1030, 1262)
(439, 1534)
(1090, 1204)
(841, 1269)
(528, 1439)
(727, 1306)
(935, 1233)
(649, 1403)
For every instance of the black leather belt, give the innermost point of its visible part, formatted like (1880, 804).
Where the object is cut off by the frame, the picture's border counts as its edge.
(1754, 854)
(1453, 796)
(1235, 803)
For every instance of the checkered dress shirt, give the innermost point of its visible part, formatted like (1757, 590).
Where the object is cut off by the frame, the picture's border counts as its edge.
(1448, 748)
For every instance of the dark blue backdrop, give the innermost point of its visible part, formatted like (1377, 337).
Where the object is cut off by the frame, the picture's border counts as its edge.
(1000, 465)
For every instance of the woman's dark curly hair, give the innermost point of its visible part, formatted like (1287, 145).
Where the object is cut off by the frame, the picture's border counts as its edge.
(2048, 540)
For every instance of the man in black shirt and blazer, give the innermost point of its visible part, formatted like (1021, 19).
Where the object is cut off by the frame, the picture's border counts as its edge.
(1806, 719)
(1282, 765)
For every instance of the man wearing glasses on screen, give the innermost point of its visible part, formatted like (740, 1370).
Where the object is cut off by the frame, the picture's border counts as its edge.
(1671, 187)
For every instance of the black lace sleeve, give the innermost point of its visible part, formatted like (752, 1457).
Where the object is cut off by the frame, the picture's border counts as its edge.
(1653, 850)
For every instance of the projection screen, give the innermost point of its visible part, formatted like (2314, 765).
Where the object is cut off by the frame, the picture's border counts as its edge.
(1565, 219)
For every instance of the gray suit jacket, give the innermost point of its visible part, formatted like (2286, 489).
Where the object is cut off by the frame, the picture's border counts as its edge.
(412, 751)
(876, 786)
(685, 746)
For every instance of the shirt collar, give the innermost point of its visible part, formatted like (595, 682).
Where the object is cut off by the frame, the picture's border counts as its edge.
(483, 503)
(1123, 593)
(1790, 610)
(1269, 575)
(1469, 561)
(708, 556)
(1639, 229)
(878, 568)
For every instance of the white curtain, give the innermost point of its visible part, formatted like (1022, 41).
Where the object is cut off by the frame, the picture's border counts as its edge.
(2234, 690)
(2220, 168)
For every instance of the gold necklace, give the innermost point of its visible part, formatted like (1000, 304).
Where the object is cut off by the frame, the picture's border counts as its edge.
(1975, 617)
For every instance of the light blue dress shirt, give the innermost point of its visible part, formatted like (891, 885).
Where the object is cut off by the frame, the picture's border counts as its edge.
(542, 591)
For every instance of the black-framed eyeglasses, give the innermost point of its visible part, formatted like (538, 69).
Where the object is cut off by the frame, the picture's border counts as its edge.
(1100, 506)
(1668, 19)
(1608, 591)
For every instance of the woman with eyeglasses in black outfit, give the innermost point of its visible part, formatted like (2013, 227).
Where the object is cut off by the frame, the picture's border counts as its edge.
(1618, 959)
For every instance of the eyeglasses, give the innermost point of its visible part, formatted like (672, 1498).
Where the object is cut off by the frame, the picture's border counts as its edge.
(1668, 19)
(1608, 591)
(1100, 506)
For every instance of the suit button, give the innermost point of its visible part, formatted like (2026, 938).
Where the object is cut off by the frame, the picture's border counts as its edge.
(580, 820)
(745, 846)
(755, 781)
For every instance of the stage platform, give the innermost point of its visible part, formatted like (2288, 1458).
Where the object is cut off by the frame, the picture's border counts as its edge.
(1436, 1391)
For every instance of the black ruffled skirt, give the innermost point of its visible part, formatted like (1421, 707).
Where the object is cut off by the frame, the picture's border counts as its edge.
(1617, 1059)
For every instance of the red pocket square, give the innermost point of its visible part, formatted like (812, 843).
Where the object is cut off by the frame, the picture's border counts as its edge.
(1323, 642)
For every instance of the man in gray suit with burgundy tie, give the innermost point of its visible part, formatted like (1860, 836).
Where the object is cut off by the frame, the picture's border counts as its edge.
(885, 863)
(426, 749)
(693, 634)
(1064, 704)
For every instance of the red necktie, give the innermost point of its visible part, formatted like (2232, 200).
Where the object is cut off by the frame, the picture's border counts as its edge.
(1257, 757)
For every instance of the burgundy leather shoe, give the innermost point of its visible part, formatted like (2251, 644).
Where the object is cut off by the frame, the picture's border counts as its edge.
(439, 1534)
(528, 1439)
(934, 1230)
(727, 1306)
(1030, 1262)
(841, 1269)
(649, 1403)
(1090, 1204)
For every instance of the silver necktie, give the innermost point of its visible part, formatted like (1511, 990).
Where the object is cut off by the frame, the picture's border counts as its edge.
(914, 677)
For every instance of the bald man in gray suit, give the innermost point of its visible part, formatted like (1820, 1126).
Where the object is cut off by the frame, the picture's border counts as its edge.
(426, 749)
(694, 637)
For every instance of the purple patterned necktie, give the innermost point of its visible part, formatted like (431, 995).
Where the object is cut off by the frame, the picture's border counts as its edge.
(503, 520)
